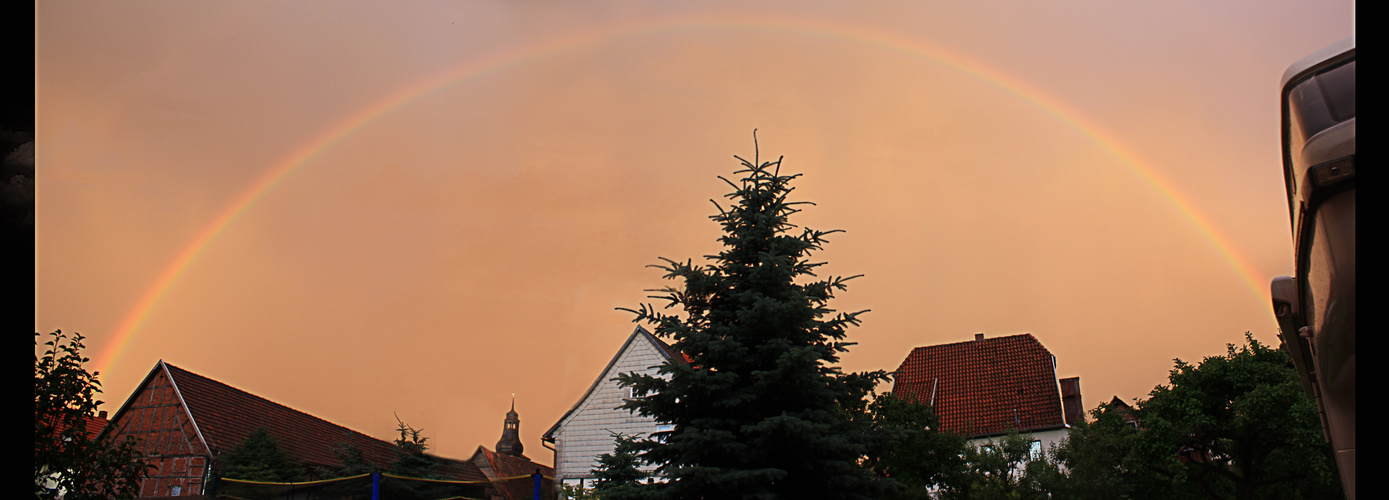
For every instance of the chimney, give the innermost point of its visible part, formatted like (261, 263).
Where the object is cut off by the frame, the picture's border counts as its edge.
(102, 415)
(978, 337)
(1070, 401)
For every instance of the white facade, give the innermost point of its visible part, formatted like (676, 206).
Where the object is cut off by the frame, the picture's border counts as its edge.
(586, 431)
(1043, 440)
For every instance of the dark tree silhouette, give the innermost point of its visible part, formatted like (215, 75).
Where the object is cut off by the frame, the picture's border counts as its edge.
(759, 409)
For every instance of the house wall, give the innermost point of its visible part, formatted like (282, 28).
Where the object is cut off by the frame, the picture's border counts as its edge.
(159, 423)
(588, 432)
(1048, 438)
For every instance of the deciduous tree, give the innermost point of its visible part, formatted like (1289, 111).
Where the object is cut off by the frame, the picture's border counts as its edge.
(1238, 426)
(909, 448)
(996, 471)
(1235, 426)
(68, 461)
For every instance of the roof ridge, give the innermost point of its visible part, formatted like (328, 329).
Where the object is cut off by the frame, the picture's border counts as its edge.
(985, 339)
(268, 400)
(986, 385)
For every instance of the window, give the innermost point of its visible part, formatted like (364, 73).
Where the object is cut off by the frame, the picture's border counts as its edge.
(1035, 450)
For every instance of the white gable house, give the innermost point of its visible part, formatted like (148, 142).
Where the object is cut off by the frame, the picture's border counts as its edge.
(586, 431)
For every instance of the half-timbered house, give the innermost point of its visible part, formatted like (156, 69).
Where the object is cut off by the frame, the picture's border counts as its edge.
(184, 422)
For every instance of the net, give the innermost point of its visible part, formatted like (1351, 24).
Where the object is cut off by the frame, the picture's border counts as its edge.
(387, 487)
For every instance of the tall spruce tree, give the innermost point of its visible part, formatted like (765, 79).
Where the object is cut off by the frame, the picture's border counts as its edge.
(759, 410)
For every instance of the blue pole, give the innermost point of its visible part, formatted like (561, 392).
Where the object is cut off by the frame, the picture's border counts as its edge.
(376, 486)
(537, 485)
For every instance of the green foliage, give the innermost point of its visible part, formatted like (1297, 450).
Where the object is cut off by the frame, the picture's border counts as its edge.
(909, 448)
(758, 410)
(351, 462)
(576, 492)
(618, 476)
(411, 461)
(1099, 459)
(258, 457)
(67, 461)
(1237, 426)
(410, 457)
(999, 470)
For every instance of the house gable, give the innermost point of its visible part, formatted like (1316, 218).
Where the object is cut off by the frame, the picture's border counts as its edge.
(586, 431)
(156, 416)
(184, 421)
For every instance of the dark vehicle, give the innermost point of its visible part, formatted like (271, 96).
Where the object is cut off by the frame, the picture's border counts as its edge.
(1316, 308)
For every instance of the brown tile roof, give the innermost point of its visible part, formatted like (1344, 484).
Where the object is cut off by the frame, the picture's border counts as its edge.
(94, 425)
(504, 465)
(511, 475)
(225, 415)
(986, 386)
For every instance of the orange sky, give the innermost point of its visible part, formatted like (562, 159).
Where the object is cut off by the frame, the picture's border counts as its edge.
(356, 209)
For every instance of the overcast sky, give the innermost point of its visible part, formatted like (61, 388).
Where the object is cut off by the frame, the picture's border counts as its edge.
(360, 209)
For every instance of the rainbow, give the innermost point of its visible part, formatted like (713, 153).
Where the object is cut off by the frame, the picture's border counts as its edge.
(504, 60)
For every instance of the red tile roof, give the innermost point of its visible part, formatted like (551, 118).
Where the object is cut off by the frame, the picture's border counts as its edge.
(508, 466)
(986, 386)
(225, 415)
(512, 476)
(93, 424)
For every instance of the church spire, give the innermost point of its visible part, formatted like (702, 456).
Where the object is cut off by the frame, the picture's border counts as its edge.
(510, 444)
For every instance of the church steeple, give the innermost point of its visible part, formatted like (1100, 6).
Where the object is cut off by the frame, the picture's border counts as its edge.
(510, 444)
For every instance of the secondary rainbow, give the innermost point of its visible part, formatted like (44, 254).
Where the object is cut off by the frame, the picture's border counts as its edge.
(504, 60)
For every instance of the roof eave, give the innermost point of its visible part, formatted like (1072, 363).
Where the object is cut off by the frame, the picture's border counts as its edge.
(549, 434)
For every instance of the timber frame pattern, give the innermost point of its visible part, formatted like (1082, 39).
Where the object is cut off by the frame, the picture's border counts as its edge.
(157, 417)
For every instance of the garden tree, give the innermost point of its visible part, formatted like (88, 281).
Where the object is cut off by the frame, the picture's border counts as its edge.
(351, 462)
(576, 492)
(618, 476)
(757, 409)
(1237, 426)
(410, 457)
(1099, 460)
(997, 471)
(907, 446)
(411, 461)
(68, 462)
(258, 457)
